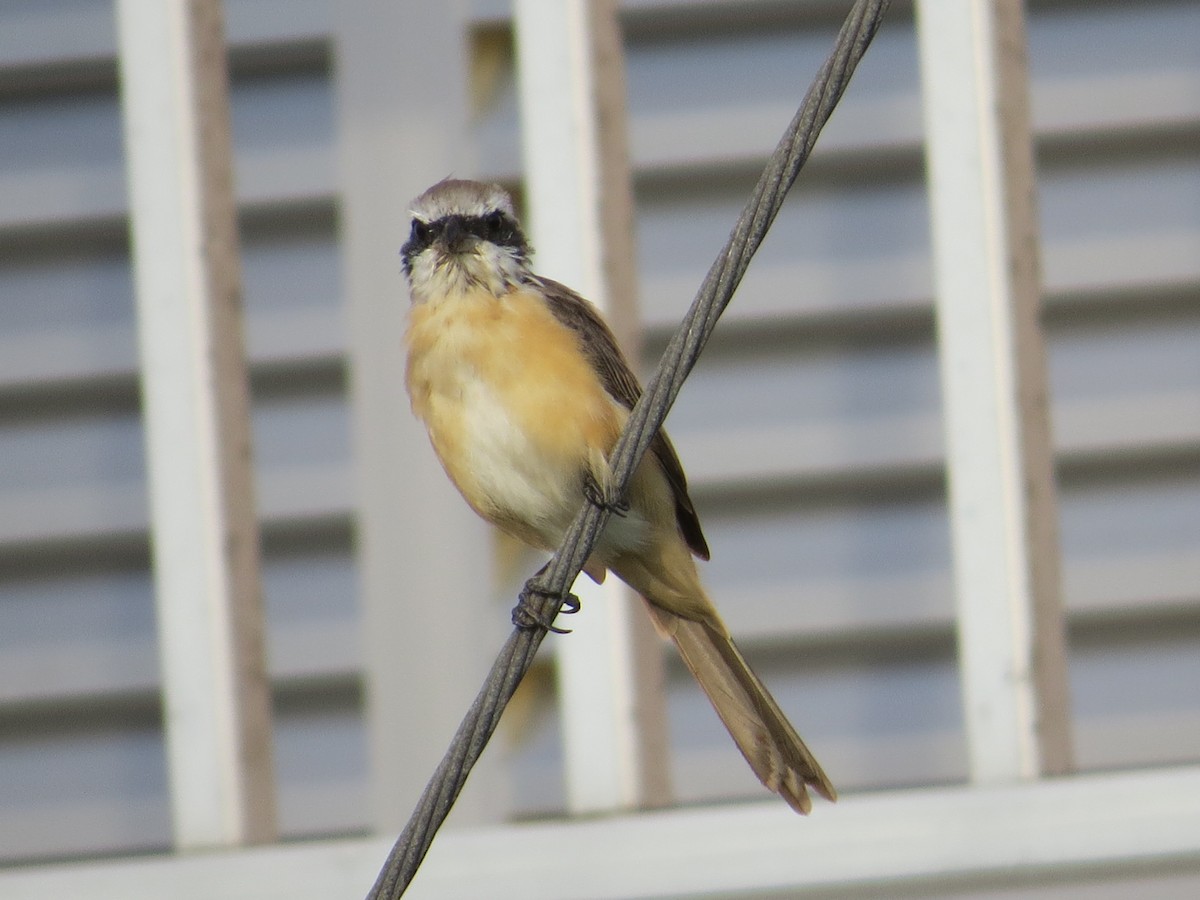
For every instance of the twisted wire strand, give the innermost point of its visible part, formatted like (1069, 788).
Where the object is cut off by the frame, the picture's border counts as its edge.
(716, 291)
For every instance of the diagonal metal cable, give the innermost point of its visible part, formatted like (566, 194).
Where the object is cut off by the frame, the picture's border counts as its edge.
(544, 594)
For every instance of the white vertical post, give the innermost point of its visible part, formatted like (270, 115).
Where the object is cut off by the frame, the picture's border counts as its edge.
(580, 207)
(195, 398)
(424, 557)
(1000, 456)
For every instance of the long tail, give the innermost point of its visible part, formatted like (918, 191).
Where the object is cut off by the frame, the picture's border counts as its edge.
(758, 726)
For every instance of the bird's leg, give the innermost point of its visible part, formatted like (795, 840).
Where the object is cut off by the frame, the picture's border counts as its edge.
(528, 614)
(596, 495)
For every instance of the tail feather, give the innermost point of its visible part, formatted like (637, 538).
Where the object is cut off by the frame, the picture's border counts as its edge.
(758, 726)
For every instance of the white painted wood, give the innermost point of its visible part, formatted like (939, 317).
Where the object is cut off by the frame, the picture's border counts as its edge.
(579, 210)
(216, 692)
(999, 453)
(1135, 826)
(424, 557)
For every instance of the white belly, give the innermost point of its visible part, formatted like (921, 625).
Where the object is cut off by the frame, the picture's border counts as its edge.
(510, 471)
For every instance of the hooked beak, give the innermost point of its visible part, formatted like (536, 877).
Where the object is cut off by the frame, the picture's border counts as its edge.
(454, 237)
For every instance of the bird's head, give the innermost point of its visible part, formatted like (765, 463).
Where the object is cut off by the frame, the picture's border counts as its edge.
(465, 235)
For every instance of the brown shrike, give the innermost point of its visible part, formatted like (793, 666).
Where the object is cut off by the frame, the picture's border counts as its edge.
(524, 393)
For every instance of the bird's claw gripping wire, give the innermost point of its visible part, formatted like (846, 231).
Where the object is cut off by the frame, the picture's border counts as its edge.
(594, 494)
(526, 615)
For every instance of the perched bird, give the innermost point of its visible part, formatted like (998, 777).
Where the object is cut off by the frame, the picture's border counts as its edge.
(524, 393)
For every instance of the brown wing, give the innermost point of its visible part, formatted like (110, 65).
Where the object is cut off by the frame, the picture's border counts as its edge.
(622, 385)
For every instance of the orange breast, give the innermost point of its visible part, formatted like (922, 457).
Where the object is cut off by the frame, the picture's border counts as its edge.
(513, 407)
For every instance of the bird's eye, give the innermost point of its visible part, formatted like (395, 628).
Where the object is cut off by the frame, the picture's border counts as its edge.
(421, 232)
(495, 224)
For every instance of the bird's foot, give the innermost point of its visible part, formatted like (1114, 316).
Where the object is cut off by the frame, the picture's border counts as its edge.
(528, 614)
(595, 495)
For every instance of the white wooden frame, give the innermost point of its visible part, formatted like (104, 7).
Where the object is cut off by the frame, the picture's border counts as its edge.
(1000, 458)
(580, 211)
(925, 841)
(216, 691)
